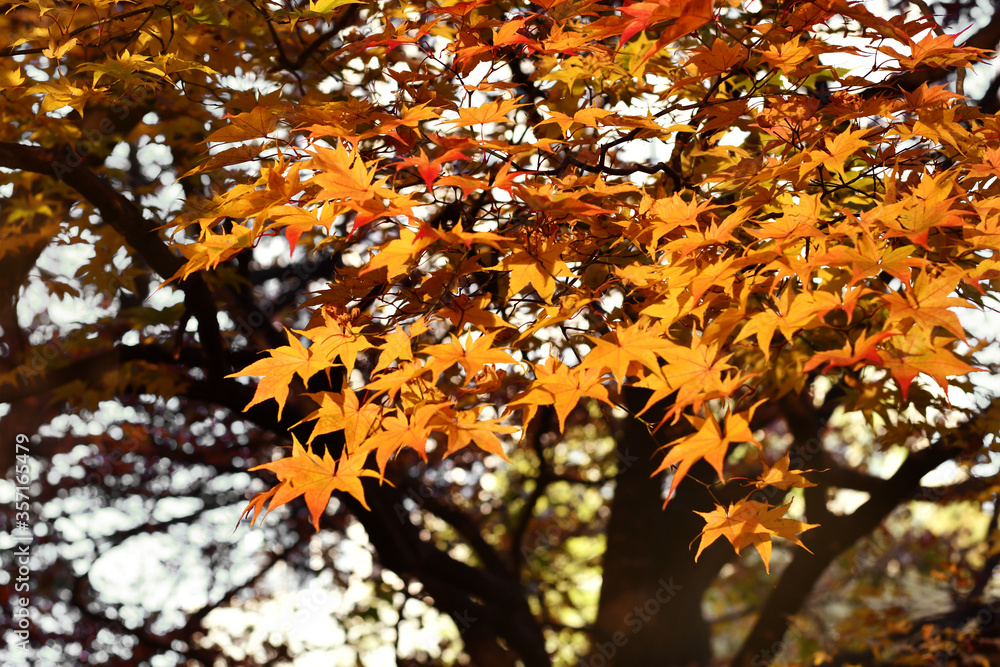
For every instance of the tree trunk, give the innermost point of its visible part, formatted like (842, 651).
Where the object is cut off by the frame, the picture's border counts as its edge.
(650, 607)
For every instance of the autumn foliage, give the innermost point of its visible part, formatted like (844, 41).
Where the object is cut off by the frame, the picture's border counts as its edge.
(828, 241)
(683, 214)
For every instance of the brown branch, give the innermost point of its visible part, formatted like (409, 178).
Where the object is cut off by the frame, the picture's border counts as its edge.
(985, 574)
(343, 20)
(806, 426)
(483, 604)
(541, 484)
(467, 528)
(834, 537)
(126, 218)
(34, 380)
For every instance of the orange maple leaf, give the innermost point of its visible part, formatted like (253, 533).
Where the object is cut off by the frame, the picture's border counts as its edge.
(917, 352)
(472, 357)
(627, 347)
(708, 443)
(333, 340)
(392, 381)
(561, 386)
(278, 370)
(398, 346)
(779, 476)
(538, 270)
(464, 427)
(401, 430)
(491, 112)
(863, 350)
(343, 412)
(748, 522)
(306, 474)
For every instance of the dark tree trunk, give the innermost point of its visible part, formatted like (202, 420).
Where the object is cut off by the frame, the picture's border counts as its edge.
(650, 607)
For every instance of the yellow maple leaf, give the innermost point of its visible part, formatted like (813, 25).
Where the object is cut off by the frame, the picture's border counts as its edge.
(333, 340)
(538, 270)
(473, 356)
(401, 430)
(632, 347)
(708, 443)
(491, 112)
(464, 427)
(398, 346)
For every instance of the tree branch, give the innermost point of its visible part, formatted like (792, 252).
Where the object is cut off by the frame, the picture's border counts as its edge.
(126, 218)
(834, 537)
(986, 37)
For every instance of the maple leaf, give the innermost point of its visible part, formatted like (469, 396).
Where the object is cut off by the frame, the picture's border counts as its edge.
(787, 56)
(794, 312)
(296, 221)
(868, 260)
(327, 6)
(464, 427)
(491, 112)
(427, 168)
(918, 351)
(56, 52)
(343, 412)
(718, 58)
(625, 347)
(397, 255)
(467, 310)
(316, 478)
(400, 430)
(472, 356)
(213, 249)
(486, 381)
(929, 304)
(687, 15)
(934, 51)
(254, 124)
(278, 370)
(695, 373)
(779, 476)
(334, 340)
(589, 116)
(398, 346)
(345, 177)
(838, 150)
(560, 386)
(862, 350)
(749, 522)
(928, 207)
(405, 374)
(708, 443)
(508, 34)
(538, 270)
